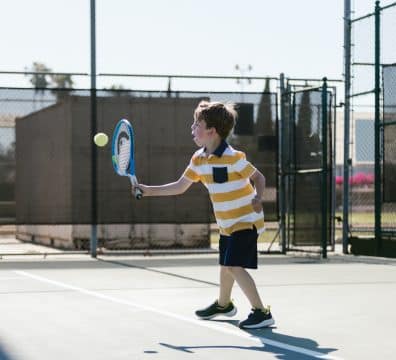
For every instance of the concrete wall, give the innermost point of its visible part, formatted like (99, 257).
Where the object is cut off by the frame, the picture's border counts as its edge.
(118, 236)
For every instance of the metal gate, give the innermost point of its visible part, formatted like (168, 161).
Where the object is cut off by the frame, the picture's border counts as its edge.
(307, 160)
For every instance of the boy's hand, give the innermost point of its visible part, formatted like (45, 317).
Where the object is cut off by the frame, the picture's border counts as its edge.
(257, 206)
(142, 187)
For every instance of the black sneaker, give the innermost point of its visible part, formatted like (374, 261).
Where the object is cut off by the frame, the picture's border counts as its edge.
(258, 319)
(216, 310)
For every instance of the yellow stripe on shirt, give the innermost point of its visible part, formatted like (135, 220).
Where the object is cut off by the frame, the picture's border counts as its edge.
(232, 195)
(248, 171)
(191, 175)
(234, 213)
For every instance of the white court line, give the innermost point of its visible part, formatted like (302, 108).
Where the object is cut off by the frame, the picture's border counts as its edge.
(257, 339)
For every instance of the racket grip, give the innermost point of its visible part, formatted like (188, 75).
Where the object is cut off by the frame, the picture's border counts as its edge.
(138, 193)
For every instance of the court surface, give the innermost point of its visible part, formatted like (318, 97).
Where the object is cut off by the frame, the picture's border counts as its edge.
(118, 307)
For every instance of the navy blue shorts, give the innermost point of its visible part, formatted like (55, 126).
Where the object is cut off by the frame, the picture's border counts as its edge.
(239, 249)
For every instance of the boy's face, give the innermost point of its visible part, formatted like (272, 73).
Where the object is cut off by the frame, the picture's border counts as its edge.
(201, 134)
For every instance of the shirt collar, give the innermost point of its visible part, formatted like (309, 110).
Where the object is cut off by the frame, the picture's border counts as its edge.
(220, 149)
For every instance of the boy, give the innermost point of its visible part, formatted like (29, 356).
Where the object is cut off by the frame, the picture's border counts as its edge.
(226, 174)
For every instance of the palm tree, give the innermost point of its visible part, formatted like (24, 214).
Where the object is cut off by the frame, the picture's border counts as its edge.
(39, 79)
(61, 82)
(42, 79)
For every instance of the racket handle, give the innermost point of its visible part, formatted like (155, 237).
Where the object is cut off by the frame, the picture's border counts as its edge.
(138, 193)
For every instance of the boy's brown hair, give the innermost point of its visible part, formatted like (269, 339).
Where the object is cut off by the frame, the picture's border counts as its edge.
(217, 115)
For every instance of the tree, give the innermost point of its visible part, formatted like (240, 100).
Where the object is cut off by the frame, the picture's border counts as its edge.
(308, 144)
(61, 82)
(7, 173)
(266, 137)
(42, 78)
(264, 123)
(39, 80)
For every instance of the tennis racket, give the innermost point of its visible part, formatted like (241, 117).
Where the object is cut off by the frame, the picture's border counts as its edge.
(123, 152)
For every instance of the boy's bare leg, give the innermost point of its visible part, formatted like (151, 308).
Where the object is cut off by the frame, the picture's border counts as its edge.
(226, 284)
(247, 285)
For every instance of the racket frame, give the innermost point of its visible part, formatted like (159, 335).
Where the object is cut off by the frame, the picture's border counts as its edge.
(130, 171)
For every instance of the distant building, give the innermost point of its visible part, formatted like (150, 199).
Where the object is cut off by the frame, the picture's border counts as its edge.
(362, 141)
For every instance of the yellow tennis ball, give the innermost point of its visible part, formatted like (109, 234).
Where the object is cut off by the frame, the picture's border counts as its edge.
(101, 139)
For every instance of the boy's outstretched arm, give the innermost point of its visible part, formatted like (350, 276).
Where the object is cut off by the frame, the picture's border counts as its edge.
(175, 188)
(258, 180)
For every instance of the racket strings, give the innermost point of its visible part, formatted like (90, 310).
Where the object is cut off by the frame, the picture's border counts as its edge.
(124, 154)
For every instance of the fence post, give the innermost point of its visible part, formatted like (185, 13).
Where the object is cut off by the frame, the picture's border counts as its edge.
(325, 187)
(94, 239)
(282, 192)
(347, 89)
(377, 131)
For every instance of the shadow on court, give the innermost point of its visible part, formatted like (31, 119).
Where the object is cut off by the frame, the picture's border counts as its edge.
(306, 343)
(264, 335)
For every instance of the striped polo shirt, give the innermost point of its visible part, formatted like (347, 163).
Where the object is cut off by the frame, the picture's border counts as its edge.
(225, 174)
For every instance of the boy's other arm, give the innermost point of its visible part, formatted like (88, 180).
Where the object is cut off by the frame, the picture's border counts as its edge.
(258, 180)
(175, 188)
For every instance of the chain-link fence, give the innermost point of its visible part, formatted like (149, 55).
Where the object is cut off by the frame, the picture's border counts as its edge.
(372, 209)
(46, 180)
(361, 181)
(389, 149)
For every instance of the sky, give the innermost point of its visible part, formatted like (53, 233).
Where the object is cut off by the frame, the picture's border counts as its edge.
(207, 37)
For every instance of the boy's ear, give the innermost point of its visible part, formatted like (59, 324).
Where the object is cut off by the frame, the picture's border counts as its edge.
(212, 130)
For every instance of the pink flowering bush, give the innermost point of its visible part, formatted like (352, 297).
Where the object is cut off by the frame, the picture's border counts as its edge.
(370, 178)
(359, 179)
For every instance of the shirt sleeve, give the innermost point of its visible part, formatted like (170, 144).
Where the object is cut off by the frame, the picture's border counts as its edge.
(191, 172)
(244, 167)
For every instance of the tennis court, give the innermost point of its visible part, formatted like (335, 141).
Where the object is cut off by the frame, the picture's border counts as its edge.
(135, 307)
(87, 273)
